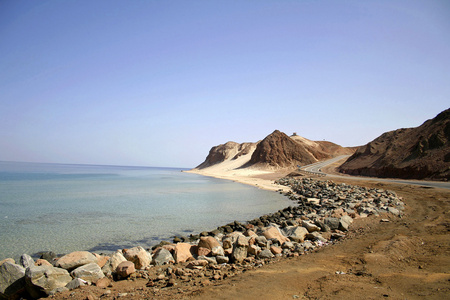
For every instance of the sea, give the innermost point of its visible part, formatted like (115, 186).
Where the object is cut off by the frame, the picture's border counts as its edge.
(67, 207)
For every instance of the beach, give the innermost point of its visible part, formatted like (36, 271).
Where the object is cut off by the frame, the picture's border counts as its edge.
(378, 253)
(401, 258)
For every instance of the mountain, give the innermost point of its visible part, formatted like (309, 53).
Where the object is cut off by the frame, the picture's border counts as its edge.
(276, 151)
(410, 153)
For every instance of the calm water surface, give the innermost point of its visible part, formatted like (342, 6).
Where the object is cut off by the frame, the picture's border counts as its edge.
(64, 208)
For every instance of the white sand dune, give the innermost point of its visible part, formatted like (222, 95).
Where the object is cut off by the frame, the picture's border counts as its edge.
(231, 169)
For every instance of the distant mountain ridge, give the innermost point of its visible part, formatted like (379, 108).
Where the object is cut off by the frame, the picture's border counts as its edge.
(410, 153)
(276, 151)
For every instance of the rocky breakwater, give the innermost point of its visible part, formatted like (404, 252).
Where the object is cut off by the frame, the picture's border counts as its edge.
(323, 213)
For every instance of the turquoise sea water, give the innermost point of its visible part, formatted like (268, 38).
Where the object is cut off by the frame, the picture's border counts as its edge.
(63, 208)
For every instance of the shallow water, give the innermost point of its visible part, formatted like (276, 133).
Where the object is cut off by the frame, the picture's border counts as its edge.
(63, 208)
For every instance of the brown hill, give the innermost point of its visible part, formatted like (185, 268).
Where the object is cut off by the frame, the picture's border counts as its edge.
(277, 150)
(280, 151)
(411, 153)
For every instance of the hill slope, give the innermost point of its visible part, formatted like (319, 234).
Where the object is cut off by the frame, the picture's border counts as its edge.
(411, 153)
(276, 151)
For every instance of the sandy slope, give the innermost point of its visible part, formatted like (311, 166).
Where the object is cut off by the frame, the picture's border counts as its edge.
(231, 169)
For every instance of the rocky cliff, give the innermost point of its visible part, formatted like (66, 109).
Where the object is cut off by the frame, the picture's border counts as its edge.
(411, 153)
(277, 150)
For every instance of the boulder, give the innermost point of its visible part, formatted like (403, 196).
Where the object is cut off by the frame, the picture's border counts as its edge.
(233, 236)
(113, 262)
(296, 233)
(125, 269)
(316, 236)
(7, 260)
(240, 249)
(266, 253)
(41, 262)
(310, 227)
(276, 250)
(288, 245)
(197, 264)
(101, 259)
(90, 272)
(75, 259)
(227, 243)
(49, 256)
(76, 283)
(182, 252)
(217, 250)
(138, 256)
(332, 223)
(12, 281)
(344, 222)
(203, 251)
(222, 259)
(210, 260)
(394, 211)
(208, 242)
(26, 261)
(261, 241)
(307, 245)
(212, 244)
(42, 280)
(103, 283)
(274, 233)
(253, 250)
(162, 256)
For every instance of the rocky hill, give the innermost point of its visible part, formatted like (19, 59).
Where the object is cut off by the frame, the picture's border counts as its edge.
(276, 151)
(411, 153)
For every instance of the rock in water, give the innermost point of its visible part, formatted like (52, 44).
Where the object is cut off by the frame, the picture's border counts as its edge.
(139, 257)
(90, 272)
(75, 259)
(26, 261)
(41, 280)
(12, 281)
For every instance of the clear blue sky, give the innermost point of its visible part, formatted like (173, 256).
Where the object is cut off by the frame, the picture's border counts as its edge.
(158, 83)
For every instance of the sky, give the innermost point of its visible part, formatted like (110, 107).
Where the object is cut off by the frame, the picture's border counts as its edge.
(158, 83)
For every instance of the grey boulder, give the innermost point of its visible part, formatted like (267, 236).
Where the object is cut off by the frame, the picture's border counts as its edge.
(90, 272)
(41, 280)
(12, 280)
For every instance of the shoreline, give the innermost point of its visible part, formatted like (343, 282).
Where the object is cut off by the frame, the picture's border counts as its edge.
(231, 249)
(257, 178)
(202, 275)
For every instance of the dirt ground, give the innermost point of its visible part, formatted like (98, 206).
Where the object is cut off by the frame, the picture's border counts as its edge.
(405, 258)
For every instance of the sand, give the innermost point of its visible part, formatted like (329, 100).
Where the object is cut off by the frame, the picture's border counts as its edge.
(231, 170)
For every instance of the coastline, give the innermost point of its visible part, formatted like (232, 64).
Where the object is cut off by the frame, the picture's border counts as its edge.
(204, 276)
(262, 179)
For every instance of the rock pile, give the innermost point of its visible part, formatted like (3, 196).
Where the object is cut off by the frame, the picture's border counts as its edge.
(323, 213)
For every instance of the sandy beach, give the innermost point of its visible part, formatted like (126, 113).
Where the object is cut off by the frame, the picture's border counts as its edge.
(231, 169)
